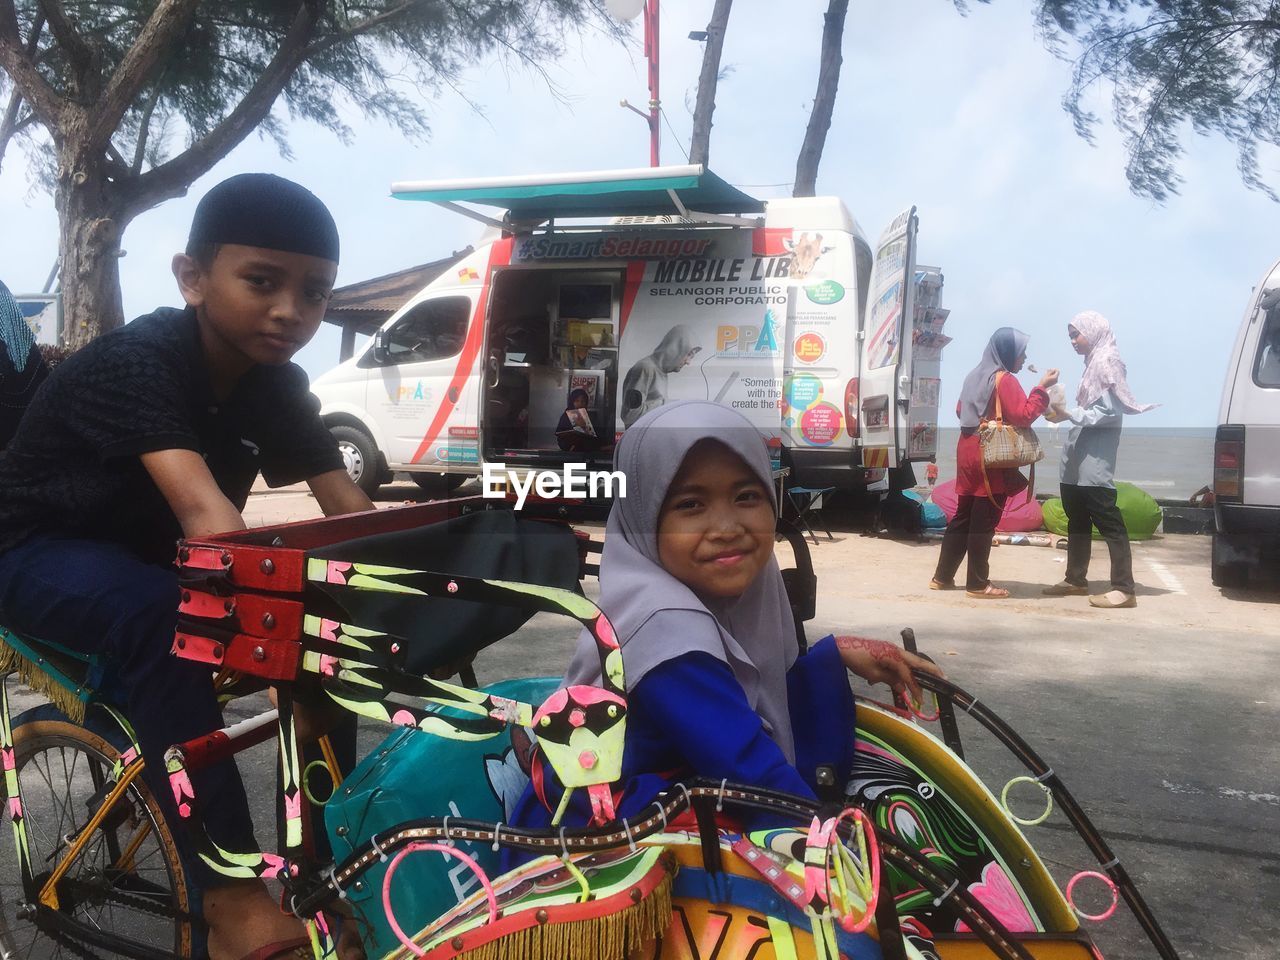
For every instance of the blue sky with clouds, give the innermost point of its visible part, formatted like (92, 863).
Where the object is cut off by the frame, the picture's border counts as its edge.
(958, 115)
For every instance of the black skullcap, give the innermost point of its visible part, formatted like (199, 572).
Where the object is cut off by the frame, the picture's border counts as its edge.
(263, 210)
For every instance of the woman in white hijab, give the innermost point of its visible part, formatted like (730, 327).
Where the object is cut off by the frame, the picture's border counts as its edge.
(715, 684)
(1088, 464)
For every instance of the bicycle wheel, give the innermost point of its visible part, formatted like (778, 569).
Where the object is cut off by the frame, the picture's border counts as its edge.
(126, 895)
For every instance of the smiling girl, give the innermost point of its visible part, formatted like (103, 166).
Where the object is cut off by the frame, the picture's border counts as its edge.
(715, 683)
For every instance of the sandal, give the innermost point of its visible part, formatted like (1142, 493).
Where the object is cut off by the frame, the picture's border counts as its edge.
(989, 592)
(936, 584)
(282, 950)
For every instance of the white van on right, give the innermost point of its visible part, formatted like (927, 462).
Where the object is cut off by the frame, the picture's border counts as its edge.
(1246, 456)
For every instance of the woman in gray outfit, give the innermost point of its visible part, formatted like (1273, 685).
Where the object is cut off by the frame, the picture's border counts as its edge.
(1089, 464)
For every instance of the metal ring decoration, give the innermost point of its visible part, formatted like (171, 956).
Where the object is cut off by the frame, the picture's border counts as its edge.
(1088, 832)
(913, 709)
(868, 881)
(448, 851)
(1048, 808)
(306, 785)
(584, 885)
(917, 710)
(988, 928)
(1111, 885)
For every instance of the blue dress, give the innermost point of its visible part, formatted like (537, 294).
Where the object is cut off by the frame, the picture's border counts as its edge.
(689, 717)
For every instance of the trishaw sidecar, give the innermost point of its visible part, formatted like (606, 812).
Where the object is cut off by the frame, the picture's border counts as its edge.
(913, 857)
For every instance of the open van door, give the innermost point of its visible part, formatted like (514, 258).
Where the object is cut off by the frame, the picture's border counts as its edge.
(884, 363)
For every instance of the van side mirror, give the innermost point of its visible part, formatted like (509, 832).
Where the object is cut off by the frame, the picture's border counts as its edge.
(380, 351)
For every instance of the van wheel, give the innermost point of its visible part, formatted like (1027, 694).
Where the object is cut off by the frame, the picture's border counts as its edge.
(1228, 574)
(359, 456)
(438, 485)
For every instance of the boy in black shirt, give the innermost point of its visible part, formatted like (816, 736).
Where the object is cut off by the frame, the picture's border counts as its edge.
(156, 431)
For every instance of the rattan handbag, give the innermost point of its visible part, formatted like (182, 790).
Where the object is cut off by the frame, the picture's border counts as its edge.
(1005, 446)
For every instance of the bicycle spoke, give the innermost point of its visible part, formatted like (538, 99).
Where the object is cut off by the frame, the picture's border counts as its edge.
(121, 883)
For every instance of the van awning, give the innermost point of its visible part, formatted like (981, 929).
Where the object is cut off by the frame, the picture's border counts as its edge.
(685, 191)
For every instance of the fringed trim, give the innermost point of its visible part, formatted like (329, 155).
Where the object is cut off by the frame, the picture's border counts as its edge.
(613, 936)
(11, 661)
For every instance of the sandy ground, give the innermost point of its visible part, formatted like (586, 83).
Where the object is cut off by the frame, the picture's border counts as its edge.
(1162, 720)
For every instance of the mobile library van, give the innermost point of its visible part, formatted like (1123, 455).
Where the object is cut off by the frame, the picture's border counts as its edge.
(594, 297)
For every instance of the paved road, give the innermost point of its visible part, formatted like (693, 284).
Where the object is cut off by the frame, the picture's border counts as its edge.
(1161, 720)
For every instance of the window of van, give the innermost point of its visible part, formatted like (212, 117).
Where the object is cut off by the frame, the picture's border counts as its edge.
(433, 330)
(1266, 373)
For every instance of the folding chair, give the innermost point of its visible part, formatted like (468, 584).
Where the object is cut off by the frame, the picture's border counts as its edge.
(808, 500)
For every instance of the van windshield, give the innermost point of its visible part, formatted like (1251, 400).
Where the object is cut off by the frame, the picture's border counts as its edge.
(1266, 373)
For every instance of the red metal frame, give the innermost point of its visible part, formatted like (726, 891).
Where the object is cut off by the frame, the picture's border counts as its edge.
(651, 37)
(256, 627)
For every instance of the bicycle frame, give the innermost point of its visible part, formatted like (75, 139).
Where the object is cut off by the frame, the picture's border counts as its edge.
(42, 898)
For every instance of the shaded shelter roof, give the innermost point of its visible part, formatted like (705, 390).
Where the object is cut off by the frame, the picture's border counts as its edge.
(366, 305)
(645, 191)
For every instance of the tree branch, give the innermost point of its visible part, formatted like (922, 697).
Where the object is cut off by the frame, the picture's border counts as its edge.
(154, 43)
(35, 89)
(144, 127)
(355, 30)
(708, 79)
(824, 101)
(79, 53)
(172, 178)
(10, 124)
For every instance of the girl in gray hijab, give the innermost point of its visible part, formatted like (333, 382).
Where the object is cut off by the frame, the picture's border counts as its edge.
(981, 493)
(688, 579)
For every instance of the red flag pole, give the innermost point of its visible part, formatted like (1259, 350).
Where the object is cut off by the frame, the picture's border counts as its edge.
(655, 104)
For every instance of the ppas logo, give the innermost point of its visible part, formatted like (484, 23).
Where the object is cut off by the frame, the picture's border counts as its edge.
(733, 339)
(810, 348)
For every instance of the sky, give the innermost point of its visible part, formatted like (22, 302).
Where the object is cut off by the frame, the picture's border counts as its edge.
(960, 116)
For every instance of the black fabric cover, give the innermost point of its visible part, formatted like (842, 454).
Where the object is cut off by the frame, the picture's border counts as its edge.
(495, 544)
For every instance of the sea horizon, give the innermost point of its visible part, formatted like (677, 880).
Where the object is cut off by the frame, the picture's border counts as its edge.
(1170, 463)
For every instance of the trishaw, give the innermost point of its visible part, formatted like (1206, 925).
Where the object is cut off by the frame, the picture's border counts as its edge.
(914, 857)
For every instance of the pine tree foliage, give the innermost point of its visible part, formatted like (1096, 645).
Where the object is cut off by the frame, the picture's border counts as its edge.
(121, 106)
(1172, 66)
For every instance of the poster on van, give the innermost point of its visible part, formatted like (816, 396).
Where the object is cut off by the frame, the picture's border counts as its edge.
(710, 328)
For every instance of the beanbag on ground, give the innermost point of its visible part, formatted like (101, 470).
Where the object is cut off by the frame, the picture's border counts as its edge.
(944, 495)
(931, 515)
(1019, 516)
(1141, 513)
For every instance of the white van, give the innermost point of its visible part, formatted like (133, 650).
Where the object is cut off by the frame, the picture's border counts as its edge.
(1246, 456)
(593, 297)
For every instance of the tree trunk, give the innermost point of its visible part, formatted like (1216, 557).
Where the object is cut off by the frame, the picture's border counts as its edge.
(90, 226)
(824, 101)
(700, 142)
